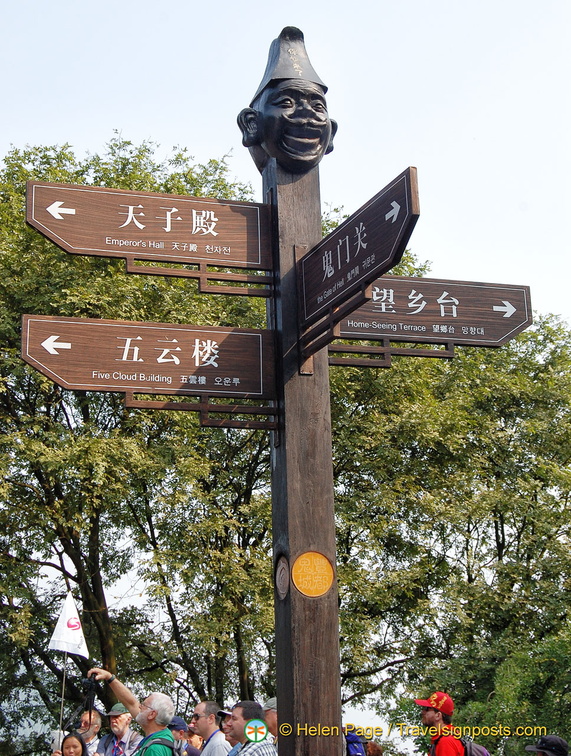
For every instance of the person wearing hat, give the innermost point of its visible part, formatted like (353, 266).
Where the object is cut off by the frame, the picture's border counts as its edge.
(153, 714)
(550, 745)
(122, 739)
(437, 712)
(271, 714)
(180, 730)
(206, 723)
(225, 718)
(287, 118)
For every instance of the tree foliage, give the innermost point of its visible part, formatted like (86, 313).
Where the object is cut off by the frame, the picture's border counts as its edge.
(454, 528)
(93, 492)
(452, 492)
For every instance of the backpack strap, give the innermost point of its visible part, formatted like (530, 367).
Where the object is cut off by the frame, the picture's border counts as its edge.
(432, 751)
(154, 741)
(107, 739)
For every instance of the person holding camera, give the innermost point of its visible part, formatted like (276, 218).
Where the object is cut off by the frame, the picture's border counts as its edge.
(154, 714)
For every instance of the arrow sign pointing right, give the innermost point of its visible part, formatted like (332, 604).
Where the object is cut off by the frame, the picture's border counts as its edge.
(394, 213)
(51, 344)
(508, 309)
(57, 210)
(365, 246)
(435, 311)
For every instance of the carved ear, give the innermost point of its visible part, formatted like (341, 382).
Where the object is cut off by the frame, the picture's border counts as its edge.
(248, 123)
(334, 126)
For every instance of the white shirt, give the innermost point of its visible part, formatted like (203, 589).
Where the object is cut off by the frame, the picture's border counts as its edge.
(217, 745)
(92, 745)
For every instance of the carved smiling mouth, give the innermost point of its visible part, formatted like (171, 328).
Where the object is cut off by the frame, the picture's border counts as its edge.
(301, 140)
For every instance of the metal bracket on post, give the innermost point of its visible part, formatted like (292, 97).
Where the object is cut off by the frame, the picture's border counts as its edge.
(384, 352)
(205, 408)
(383, 359)
(327, 329)
(305, 361)
(264, 281)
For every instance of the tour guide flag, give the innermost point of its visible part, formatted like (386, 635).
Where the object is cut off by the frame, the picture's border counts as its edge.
(68, 635)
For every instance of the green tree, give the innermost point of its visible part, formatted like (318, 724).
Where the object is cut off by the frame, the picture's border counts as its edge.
(452, 490)
(454, 528)
(92, 491)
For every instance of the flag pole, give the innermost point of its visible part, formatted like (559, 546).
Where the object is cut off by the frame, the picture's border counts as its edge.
(62, 698)
(68, 637)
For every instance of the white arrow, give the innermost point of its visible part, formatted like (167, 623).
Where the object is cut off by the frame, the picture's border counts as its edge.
(394, 212)
(52, 342)
(508, 309)
(58, 211)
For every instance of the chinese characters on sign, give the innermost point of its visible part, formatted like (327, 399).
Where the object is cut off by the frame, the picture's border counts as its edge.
(347, 248)
(203, 221)
(153, 358)
(430, 310)
(312, 574)
(143, 225)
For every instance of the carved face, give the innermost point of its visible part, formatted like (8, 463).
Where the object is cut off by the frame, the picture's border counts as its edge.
(292, 124)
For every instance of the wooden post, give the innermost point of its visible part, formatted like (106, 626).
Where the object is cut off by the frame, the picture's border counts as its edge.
(307, 628)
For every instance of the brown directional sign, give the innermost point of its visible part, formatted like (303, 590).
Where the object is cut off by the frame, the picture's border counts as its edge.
(150, 358)
(363, 247)
(434, 311)
(90, 220)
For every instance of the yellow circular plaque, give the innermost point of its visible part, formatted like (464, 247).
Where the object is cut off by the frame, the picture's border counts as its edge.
(312, 574)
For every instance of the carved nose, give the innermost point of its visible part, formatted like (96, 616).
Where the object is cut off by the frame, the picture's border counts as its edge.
(304, 106)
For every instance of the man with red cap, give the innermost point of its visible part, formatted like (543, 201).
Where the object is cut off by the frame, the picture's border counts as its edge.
(437, 712)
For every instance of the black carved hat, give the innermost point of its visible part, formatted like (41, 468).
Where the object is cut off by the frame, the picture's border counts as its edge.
(288, 59)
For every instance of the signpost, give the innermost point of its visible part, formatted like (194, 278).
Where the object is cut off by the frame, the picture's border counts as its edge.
(91, 220)
(313, 293)
(303, 521)
(150, 358)
(361, 249)
(437, 311)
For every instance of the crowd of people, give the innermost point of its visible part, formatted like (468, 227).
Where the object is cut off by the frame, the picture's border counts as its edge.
(224, 732)
(211, 732)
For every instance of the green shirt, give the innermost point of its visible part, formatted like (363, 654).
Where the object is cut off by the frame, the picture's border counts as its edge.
(148, 748)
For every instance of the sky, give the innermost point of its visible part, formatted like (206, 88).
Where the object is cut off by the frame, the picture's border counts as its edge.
(474, 93)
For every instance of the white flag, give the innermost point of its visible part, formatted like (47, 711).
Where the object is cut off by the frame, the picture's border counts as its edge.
(68, 635)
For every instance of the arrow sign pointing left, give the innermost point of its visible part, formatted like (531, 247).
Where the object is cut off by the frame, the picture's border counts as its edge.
(57, 210)
(150, 358)
(107, 222)
(51, 344)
